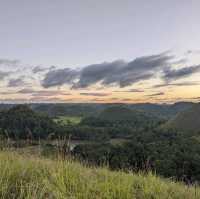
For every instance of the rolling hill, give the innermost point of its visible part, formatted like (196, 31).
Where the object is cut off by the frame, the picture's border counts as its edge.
(122, 113)
(187, 121)
(164, 111)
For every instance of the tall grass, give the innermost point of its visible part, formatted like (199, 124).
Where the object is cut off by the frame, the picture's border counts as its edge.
(25, 177)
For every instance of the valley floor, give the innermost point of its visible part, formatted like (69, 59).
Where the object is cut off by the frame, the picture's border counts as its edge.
(30, 177)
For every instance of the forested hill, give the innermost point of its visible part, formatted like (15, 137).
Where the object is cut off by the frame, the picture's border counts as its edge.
(20, 121)
(162, 110)
(122, 118)
(121, 113)
(187, 121)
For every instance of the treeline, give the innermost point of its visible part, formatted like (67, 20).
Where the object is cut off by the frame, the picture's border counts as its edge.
(166, 153)
(20, 122)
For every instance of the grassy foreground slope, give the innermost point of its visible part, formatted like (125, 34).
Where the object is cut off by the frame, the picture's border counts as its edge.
(23, 177)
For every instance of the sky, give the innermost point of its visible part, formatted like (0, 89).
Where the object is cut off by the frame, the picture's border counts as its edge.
(127, 51)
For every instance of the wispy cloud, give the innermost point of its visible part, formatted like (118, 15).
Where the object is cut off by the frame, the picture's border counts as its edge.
(129, 91)
(156, 94)
(171, 75)
(26, 91)
(43, 99)
(177, 84)
(42, 93)
(96, 94)
(19, 82)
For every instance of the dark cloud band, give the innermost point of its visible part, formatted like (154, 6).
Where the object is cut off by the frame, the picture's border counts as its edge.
(118, 73)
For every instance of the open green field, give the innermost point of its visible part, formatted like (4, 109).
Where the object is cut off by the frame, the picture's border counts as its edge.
(32, 177)
(68, 120)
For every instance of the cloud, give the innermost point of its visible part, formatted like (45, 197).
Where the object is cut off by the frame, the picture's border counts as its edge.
(59, 77)
(126, 99)
(123, 73)
(171, 75)
(130, 91)
(42, 93)
(136, 90)
(114, 98)
(16, 82)
(45, 99)
(26, 91)
(98, 72)
(49, 93)
(3, 74)
(39, 69)
(9, 62)
(193, 52)
(177, 84)
(96, 94)
(7, 93)
(118, 72)
(156, 94)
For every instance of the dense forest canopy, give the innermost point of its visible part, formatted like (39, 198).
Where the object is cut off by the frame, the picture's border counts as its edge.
(21, 122)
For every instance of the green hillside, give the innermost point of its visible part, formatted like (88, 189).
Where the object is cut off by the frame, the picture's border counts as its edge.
(164, 111)
(32, 177)
(187, 121)
(121, 113)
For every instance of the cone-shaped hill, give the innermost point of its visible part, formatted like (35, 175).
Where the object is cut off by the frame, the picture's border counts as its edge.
(187, 121)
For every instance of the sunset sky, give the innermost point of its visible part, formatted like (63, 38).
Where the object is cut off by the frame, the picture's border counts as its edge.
(129, 51)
